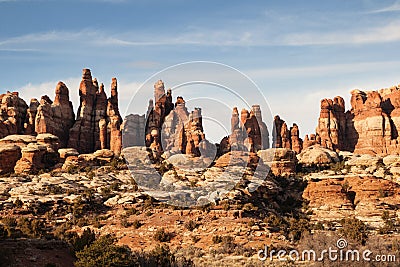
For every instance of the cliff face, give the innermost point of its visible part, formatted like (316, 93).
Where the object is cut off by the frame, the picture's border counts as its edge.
(369, 127)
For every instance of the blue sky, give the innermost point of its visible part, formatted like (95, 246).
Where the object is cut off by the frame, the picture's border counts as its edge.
(297, 52)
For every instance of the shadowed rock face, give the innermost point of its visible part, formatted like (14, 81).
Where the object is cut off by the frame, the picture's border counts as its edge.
(13, 110)
(286, 138)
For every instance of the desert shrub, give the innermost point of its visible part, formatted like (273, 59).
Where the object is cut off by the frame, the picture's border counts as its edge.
(217, 239)
(18, 203)
(162, 235)
(32, 227)
(249, 207)
(137, 224)
(297, 227)
(391, 224)
(82, 241)
(190, 225)
(103, 252)
(353, 228)
(346, 187)
(164, 167)
(160, 256)
(132, 211)
(125, 223)
(251, 223)
(72, 169)
(318, 226)
(9, 221)
(275, 222)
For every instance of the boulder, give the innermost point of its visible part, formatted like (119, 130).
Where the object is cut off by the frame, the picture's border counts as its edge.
(19, 140)
(32, 160)
(365, 160)
(282, 161)
(317, 155)
(13, 111)
(9, 155)
(66, 152)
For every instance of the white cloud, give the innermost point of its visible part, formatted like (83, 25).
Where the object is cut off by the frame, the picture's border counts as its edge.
(126, 90)
(250, 36)
(383, 34)
(30, 90)
(319, 70)
(392, 8)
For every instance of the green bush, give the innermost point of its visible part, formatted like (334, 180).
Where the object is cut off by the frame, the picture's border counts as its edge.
(190, 225)
(216, 239)
(103, 252)
(297, 227)
(354, 229)
(160, 256)
(137, 224)
(162, 235)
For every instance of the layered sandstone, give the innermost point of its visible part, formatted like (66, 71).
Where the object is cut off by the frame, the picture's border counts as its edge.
(332, 123)
(55, 117)
(366, 198)
(369, 127)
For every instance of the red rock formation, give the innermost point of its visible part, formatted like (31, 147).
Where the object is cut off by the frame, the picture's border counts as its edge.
(13, 112)
(369, 128)
(286, 138)
(297, 143)
(82, 133)
(249, 133)
(276, 132)
(56, 117)
(310, 141)
(169, 128)
(31, 117)
(263, 127)
(133, 129)
(98, 123)
(9, 155)
(114, 135)
(332, 123)
(100, 118)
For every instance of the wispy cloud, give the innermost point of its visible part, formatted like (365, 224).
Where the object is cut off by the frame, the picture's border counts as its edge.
(392, 8)
(383, 34)
(224, 37)
(322, 70)
(125, 89)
